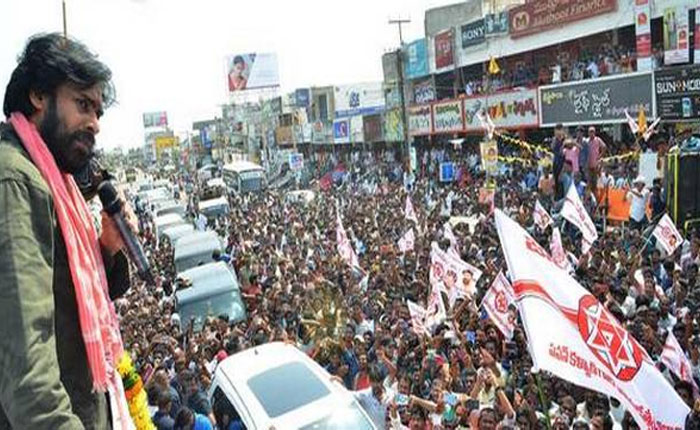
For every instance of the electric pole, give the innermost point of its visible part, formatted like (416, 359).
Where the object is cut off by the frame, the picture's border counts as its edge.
(65, 26)
(402, 97)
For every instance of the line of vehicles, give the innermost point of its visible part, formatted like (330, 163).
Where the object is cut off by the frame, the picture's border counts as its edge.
(270, 386)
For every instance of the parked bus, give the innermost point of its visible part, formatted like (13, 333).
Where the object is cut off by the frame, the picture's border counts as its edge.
(244, 176)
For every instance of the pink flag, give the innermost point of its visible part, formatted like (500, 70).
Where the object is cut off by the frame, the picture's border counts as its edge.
(557, 251)
(435, 312)
(410, 212)
(573, 336)
(677, 362)
(344, 247)
(499, 303)
(541, 216)
(667, 234)
(458, 277)
(407, 242)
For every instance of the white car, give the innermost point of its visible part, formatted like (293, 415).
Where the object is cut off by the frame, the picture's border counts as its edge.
(277, 386)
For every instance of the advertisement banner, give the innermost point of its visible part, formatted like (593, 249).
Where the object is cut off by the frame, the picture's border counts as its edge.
(365, 98)
(390, 67)
(448, 117)
(473, 33)
(296, 161)
(595, 101)
(540, 15)
(416, 59)
(302, 97)
(423, 92)
(165, 142)
(250, 71)
(447, 172)
(444, 52)
(489, 156)
(419, 120)
(677, 91)
(642, 22)
(676, 35)
(496, 24)
(341, 131)
(372, 127)
(155, 119)
(510, 109)
(393, 126)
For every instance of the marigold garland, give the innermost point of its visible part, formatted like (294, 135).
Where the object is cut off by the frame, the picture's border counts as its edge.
(135, 394)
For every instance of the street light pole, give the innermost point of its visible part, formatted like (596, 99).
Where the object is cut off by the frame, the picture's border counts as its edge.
(65, 25)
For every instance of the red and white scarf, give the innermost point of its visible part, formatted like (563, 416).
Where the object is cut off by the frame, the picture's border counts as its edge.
(98, 319)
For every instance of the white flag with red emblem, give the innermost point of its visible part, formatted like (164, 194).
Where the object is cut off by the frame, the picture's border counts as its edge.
(574, 212)
(418, 314)
(557, 250)
(677, 362)
(499, 303)
(344, 246)
(667, 234)
(407, 242)
(541, 216)
(573, 336)
(410, 212)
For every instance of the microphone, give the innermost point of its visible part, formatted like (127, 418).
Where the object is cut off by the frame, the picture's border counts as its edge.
(113, 206)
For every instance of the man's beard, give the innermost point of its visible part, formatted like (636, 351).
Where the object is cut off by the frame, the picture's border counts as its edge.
(62, 144)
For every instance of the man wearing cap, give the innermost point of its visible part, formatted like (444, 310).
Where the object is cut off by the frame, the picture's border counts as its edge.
(638, 197)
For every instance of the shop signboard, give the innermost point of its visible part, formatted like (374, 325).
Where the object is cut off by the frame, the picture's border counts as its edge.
(508, 109)
(341, 131)
(473, 33)
(677, 91)
(365, 98)
(537, 16)
(448, 117)
(596, 101)
(419, 120)
(496, 23)
(444, 50)
(423, 92)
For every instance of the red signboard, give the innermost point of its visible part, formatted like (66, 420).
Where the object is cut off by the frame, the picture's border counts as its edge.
(540, 15)
(444, 55)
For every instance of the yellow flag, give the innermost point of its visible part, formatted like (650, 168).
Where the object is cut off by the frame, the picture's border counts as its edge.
(642, 120)
(493, 67)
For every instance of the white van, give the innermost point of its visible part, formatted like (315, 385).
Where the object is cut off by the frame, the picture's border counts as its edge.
(214, 207)
(244, 176)
(195, 249)
(164, 222)
(277, 386)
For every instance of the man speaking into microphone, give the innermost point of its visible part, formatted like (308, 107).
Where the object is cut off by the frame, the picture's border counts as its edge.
(59, 335)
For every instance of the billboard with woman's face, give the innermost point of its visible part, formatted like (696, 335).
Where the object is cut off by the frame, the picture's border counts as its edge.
(251, 71)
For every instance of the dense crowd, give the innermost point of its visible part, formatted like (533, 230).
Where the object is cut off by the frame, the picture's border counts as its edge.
(465, 374)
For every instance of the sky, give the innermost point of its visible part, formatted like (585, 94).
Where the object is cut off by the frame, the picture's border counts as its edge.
(170, 54)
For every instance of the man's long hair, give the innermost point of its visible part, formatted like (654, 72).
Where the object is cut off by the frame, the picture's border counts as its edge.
(49, 61)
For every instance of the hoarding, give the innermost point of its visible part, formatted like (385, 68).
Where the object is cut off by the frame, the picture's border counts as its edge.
(539, 15)
(365, 98)
(473, 33)
(390, 67)
(642, 23)
(444, 51)
(393, 126)
(155, 119)
(508, 109)
(596, 101)
(251, 71)
(676, 35)
(341, 131)
(165, 142)
(419, 120)
(448, 117)
(416, 59)
(302, 97)
(677, 91)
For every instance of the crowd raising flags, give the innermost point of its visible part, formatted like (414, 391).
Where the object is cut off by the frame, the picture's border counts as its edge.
(572, 335)
(574, 212)
(499, 303)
